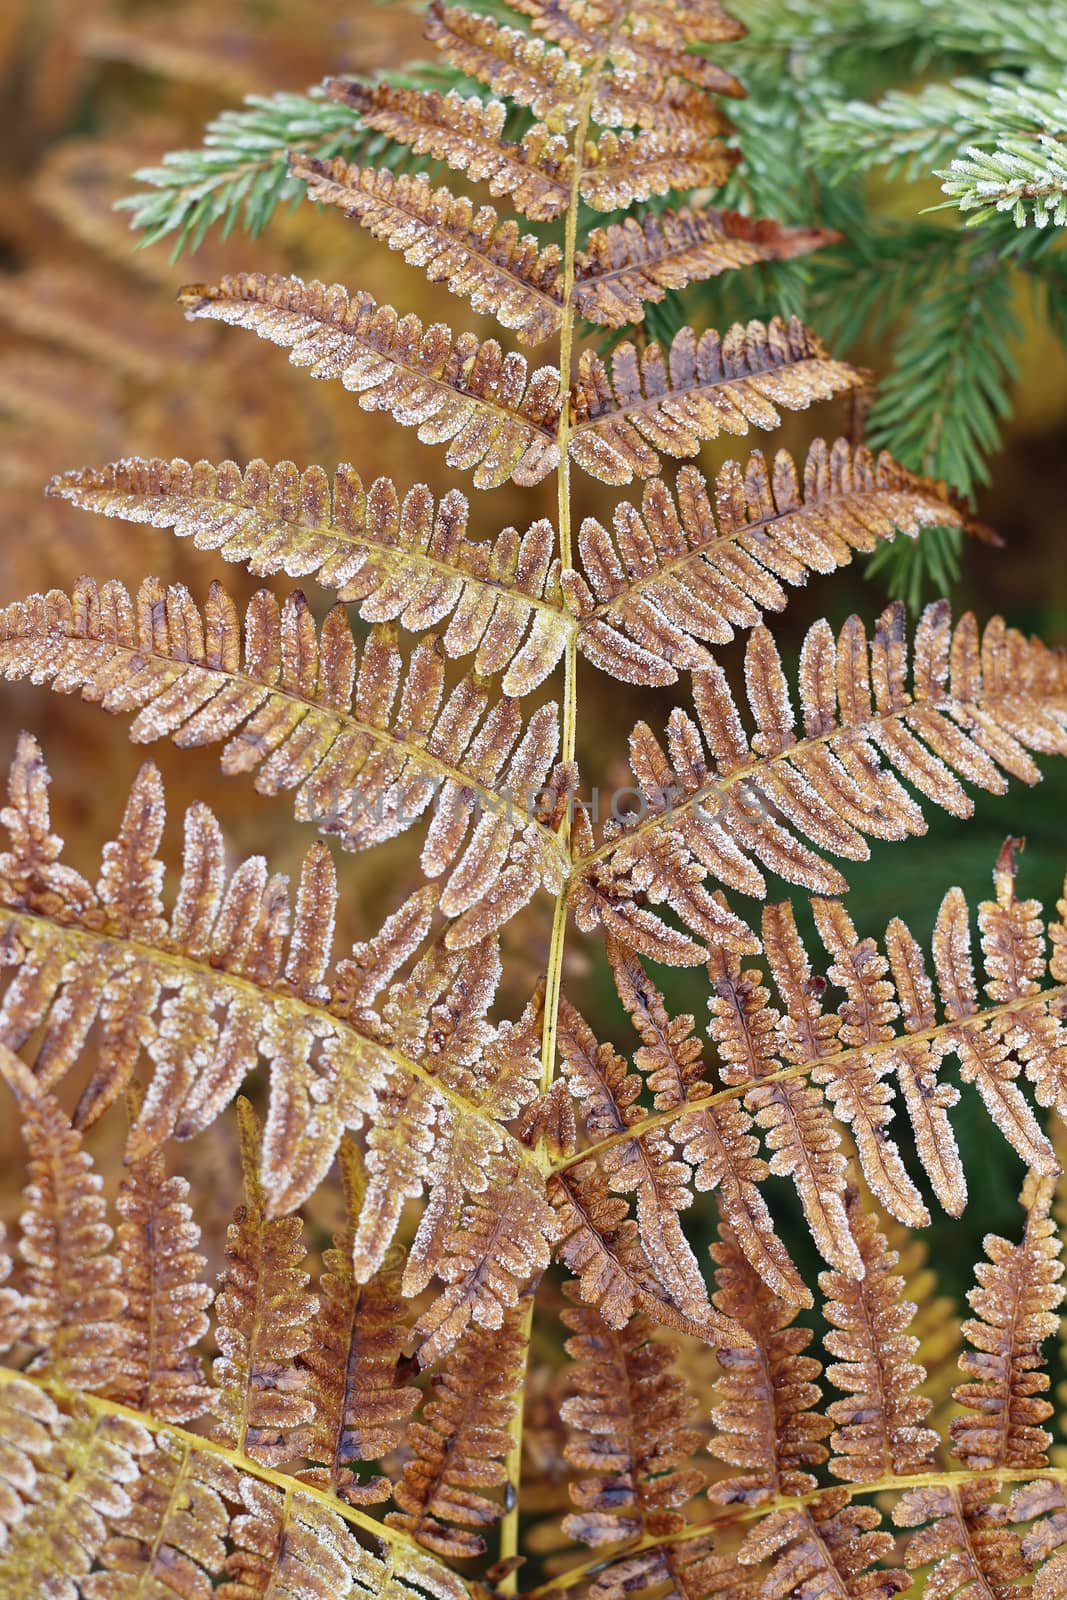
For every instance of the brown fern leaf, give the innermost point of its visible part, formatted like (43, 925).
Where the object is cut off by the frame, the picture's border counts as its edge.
(879, 1428)
(621, 168)
(857, 1086)
(534, 173)
(648, 41)
(405, 559)
(630, 1425)
(792, 1115)
(128, 900)
(765, 1417)
(165, 1319)
(992, 1049)
(829, 1547)
(694, 21)
(968, 1542)
(630, 264)
(768, 1424)
(1044, 1505)
(289, 1543)
(974, 709)
(176, 1527)
(935, 1322)
(665, 105)
(692, 1566)
(500, 419)
(886, 1028)
(719, 1142)
(461, 1444)
(359, 1406)
(968, 1534)
(1033, 1035)
(498, 1253)
(860, 1095)
(366, 753)
(660, 403)
(509, 62)
(69, 1478)
(676, 573)
(600, 1246)
(1015, 1300)
(646, 1167)
(72, 1300)
(716, 1139)
(31, 868)
(484, 261)
(238, 986)
(12, 1310)
(263, 1323)
(618, 892)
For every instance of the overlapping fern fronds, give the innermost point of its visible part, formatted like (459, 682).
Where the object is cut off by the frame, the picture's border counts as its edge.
(355, 1424)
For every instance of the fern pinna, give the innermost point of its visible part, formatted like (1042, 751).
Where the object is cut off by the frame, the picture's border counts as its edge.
(159, 1438)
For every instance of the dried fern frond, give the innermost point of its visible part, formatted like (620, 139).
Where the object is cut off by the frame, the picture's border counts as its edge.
(358, 1405)
(967, 1534)
(638, 1457)
(509, 62)
(1015, 1301)
(496, 1246)
(367, 746)
(598, 1242)
(104, 1502)
(219, 983)
(716, 1140)
(803, 1068)
(649, 40)
(675, 573)
(621, 168)
(404, 558)
(628, 265)
(72, 1302)
(161, 1270)
(658, 402)
(68, 1482)
(501, 421)
(264, 1317)
(468, 134)
(488, 1146)
(485, 261)
(880, 1426)
(766, 1420)
(460, 1445)
(606, 1092)
(720, 803)
(176, 1526)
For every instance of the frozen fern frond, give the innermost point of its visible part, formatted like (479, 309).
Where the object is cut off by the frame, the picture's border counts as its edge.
(678, 573)
(724, 804)
(235, 973)
(366, 742)
(803, 1068)
(672, 573)
(407, 559)
(263, 1314)
(373, 1399)
(776, 1527)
